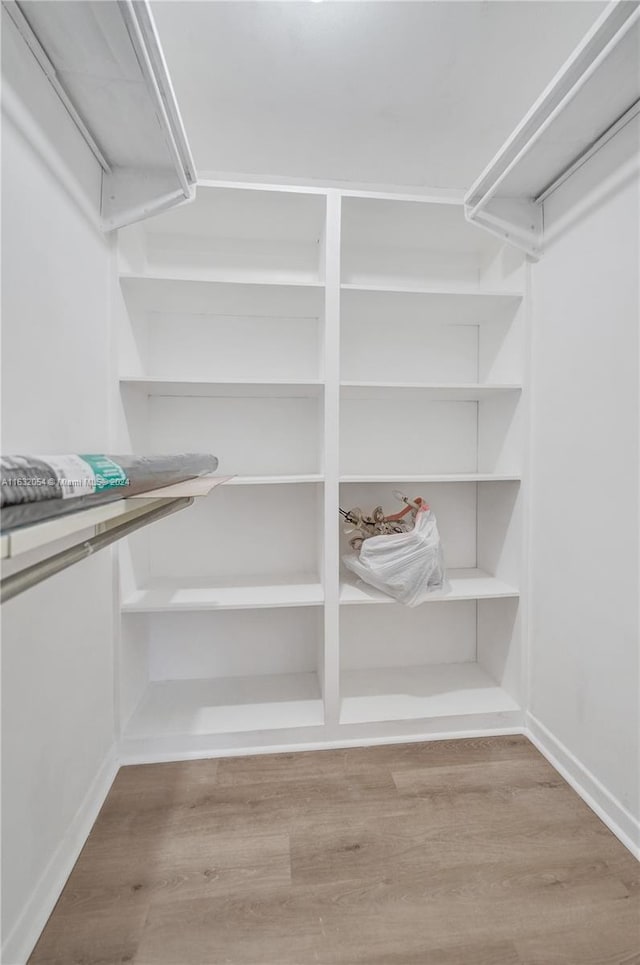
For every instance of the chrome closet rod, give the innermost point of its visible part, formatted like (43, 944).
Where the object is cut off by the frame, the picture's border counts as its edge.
(24, 579)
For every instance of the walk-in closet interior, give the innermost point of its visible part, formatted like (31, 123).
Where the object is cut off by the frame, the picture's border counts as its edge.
(353, 250)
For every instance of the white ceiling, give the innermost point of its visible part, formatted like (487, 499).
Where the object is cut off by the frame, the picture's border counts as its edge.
(404, 93)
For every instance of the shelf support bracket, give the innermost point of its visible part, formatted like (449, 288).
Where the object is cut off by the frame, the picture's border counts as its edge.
(516, 221)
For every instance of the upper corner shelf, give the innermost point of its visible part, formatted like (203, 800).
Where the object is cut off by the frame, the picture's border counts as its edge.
(595, 94)
(232, 235)
(103, 58)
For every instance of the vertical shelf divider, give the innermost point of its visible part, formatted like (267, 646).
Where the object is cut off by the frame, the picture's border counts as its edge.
(331, 555)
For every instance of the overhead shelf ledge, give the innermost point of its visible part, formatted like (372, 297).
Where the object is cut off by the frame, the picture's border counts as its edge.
(595, 93)
(103, 58)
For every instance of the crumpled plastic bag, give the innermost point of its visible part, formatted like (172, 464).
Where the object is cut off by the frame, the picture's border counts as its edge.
(407, 566)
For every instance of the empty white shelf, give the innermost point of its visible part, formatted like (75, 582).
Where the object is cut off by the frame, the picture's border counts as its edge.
(459, 392)
(161, 597)
(227, 705)
(431, 477)
(465, 584)
(414, 693)
(276, 480)
(157, 385)
(482, 299)
(145, 281)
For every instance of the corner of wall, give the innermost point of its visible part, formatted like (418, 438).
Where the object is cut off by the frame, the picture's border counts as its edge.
(21, 940)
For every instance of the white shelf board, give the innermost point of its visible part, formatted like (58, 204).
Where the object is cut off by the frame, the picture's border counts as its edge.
(479, 295)
(417, 693)
(464, 584)
(276, 480)
(162, 597)
(458, 392)
(157, 385)
(385, 225)
(473, 477)
(143, 279)
(227, 705)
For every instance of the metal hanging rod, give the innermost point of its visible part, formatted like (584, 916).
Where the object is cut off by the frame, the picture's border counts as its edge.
(24, 579)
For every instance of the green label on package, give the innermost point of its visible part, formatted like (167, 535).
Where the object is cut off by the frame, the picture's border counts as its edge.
(108, 474)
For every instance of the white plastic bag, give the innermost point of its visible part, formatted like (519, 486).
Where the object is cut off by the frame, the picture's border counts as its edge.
(407, 566)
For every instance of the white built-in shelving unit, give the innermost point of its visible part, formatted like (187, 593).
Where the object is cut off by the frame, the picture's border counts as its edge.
(329, 347)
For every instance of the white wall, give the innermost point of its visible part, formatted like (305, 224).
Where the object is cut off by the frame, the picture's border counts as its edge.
(584, 640)
(57, 640)
(262, 86)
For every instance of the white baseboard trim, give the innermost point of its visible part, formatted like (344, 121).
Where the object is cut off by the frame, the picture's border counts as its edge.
(20, 942)
(616, 817)
(151, 756)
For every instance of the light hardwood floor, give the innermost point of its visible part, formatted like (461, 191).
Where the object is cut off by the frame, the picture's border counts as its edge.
(469, 852)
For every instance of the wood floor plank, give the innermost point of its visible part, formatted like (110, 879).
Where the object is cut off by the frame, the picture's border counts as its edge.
(492, 953)
(608, 937)
(107, 938)
(511, 776)
(251, 936)
(261, 807)
(336, 923)
(426, 754)
(438, 853)
(177, 866)
(447, 862)
(297, 767)
(312, 765)
(138, 788)
(170, 777)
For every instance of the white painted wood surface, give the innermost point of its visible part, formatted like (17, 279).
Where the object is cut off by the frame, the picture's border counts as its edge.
(403, 693)
(429, 477)
(276, 388)
(464, 584)
(157, 598)
(228, 705)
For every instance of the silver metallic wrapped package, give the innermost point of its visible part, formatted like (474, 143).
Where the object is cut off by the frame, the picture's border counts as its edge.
(38, 487)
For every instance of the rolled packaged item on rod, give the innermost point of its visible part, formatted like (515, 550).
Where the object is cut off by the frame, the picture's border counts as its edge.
(407, 566)
(38, 487)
